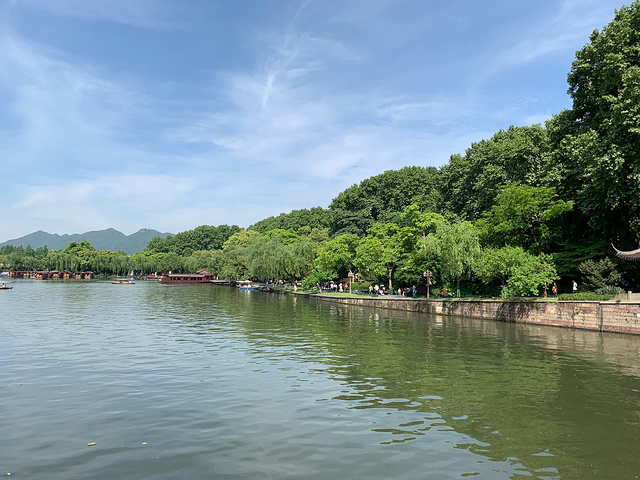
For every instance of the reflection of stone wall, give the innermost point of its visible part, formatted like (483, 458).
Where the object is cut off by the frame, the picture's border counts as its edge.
(604, 316)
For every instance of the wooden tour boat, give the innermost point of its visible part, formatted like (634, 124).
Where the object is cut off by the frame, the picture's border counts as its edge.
(201, 277)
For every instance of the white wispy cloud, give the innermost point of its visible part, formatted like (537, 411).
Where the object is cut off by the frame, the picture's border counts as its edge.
(63, 112)
(570, 23)
(276, 114)
(95, 201)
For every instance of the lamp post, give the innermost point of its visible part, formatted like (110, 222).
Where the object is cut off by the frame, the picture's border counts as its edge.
(428, 274)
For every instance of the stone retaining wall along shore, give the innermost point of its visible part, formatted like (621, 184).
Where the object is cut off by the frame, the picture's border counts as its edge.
(613, 316)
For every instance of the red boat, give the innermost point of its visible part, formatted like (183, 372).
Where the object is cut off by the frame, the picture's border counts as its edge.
(201, 277)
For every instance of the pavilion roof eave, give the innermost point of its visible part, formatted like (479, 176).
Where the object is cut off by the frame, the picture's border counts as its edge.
(632, 255)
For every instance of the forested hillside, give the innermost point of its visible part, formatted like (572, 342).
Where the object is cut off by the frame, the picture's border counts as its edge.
(514, 213)
(109, 239)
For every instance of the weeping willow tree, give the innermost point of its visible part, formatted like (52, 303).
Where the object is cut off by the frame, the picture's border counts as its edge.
(457, 247)
(273, 258)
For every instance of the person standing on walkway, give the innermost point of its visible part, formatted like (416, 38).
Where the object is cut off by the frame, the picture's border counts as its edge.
(575, 286)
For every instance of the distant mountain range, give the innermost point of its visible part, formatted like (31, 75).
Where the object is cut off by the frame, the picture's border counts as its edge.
(109, 239)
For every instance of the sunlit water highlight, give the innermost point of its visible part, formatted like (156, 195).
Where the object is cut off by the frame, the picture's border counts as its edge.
(202, 381)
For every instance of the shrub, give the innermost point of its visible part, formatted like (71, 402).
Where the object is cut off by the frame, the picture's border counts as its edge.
(600, 274)
(585, 297)
(609, 290)
(478, 289)
(361, 287)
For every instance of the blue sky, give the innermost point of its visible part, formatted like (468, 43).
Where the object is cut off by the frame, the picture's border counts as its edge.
(171, 114)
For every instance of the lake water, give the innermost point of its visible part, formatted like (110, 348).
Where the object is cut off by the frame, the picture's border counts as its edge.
(207, 382)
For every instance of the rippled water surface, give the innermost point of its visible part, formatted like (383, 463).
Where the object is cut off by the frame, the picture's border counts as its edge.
(202, 381)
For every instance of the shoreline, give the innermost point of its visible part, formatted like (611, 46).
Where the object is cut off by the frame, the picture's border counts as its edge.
(616, 316)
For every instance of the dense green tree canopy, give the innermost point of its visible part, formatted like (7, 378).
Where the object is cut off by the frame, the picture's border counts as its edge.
(598, 150)
(519, 272)
(316, 217)
(383, 198)
(469, 183)
(380, 252)
(525, 216)
(336, 258)
(457, 247)
(204, 237)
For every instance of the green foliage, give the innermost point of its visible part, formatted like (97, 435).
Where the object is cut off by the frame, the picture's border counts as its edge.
(19, 257)
(209, 260)
(280, 256)
(609, 290)
(243, 238)
(84, 254)
(524, 216)
(600, 274)
(519, 272)
(314, 218)
(362, 287)
(204, 237)
(383, 198)
(601, 140)
(146, 262)
(478, 289)
(469, 183)
(573, 254)
(336, 258)
(235, 263)
(585, 297)
(236, 260)
(499, 263)
(531, 275)
(455, 248)
(287, 237)
(317, 236)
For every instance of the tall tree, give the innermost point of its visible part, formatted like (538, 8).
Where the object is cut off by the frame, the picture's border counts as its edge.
(204, 237)
(457, 247)
(469, 183)
(524, 216)
(335, 258)
(315, 217)
(383, 198)
(380, 251)
(520, 273)
(600, 137)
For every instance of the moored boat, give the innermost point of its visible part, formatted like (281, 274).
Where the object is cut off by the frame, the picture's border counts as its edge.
(201, 277)
(247, 285)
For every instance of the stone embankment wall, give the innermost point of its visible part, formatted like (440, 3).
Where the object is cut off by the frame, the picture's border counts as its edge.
(614, 316)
